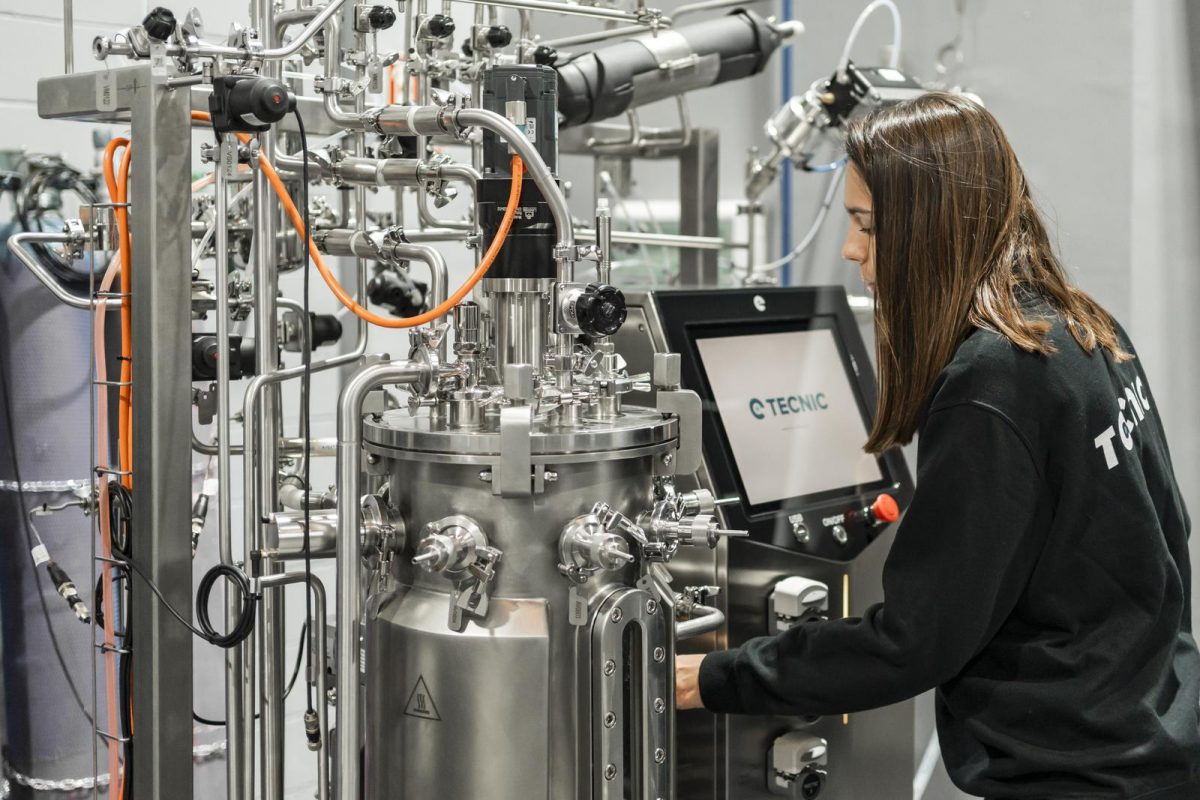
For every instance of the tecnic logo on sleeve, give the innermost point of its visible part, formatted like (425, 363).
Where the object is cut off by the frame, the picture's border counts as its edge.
(1137, 404)
(788, 404)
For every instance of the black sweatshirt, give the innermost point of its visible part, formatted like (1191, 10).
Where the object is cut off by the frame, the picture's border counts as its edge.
(1040, 580)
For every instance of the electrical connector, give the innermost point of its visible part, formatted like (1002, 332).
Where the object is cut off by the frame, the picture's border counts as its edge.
(66, 587)
(312, 729)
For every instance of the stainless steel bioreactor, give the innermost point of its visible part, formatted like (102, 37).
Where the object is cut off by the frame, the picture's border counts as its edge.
(526, 519)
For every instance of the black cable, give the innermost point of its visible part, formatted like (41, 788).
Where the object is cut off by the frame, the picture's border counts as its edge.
(305, 399)
(37, 575)
(300, 658)
(121, 511)
(217, 723)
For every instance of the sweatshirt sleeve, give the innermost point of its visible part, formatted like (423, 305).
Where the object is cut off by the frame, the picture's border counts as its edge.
(960, 561)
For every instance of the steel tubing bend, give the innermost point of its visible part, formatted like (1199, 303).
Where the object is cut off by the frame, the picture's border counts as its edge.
(16, 246)
(437, 120)
(535, 167)
(349, 564)
(348, 242)
(705, 619)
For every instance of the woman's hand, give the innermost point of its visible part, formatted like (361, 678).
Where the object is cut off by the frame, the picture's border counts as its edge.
(687, 682)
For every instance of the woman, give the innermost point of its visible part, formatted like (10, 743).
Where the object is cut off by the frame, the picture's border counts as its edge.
(1040, 578)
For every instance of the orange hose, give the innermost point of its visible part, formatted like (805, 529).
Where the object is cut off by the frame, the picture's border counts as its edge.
(118, 190)
(510, 212)
(102, 448)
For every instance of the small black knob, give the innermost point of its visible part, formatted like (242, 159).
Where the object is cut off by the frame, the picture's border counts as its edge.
(159, 24)
(600, 310)
(498, 36)
(545, 56)
(397, 292)
(440, 26)
(326, 328)
(811, 783)
(381, 18)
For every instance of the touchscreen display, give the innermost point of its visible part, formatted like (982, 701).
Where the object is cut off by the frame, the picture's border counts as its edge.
(790, 413)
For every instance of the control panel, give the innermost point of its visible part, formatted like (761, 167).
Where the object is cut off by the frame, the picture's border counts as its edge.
(788, 401)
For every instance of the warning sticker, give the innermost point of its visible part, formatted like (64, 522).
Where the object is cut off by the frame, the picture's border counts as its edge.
(420, 702)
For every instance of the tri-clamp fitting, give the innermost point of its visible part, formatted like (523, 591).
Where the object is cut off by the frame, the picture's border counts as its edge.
(449, 545)
(667, 522)
(457, 548)
(660, 531)
(587, 547)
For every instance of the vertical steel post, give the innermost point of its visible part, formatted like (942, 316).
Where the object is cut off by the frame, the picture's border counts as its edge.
(160, 218)
(236, 732)
(698, 185)
(271, 651)
(68, 36)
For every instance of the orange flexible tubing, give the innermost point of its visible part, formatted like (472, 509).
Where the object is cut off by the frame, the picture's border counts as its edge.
(118, 190)
(102, 445)
(126, 395)
(510, 212)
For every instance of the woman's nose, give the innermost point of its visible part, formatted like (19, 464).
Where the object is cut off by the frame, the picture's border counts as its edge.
(851, 251)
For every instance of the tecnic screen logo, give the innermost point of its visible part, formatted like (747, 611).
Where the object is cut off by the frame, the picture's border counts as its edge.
(789, 404)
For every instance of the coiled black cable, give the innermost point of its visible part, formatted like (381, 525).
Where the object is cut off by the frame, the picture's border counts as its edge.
(121, 509)
(245, 619)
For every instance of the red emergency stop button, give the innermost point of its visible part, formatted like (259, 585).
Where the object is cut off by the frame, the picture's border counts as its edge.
(885, 509)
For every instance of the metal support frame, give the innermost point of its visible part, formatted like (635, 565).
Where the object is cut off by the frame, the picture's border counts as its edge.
(699, 171)
(271, 610)
(698, 184)
(161, 176)
(161, 291)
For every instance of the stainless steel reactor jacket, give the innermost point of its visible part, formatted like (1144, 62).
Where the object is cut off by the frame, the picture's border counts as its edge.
(1040, 580)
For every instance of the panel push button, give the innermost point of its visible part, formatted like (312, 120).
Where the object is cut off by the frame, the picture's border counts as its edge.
(885, 510)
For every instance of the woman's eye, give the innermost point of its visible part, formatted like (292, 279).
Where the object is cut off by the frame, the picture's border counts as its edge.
(867, 231)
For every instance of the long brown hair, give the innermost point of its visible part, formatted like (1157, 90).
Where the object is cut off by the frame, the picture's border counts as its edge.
(958, 243)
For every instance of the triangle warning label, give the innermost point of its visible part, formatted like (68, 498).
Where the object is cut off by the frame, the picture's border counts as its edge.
(420, 702)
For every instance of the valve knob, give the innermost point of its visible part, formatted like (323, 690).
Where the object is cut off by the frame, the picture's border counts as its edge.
(440, 26)
(545, 56)
(381, 18)
(601, 310)
(397, 292)
(885, 509)
(159, 23)
(810, 784)
(498, 36)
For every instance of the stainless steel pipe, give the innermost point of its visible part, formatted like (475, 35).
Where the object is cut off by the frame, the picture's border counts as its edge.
(68, 36)
(317, 636)
(16, 246)
(705, 619)
(346, 242)
(649, 17)
(234, 657)
(349, 564)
